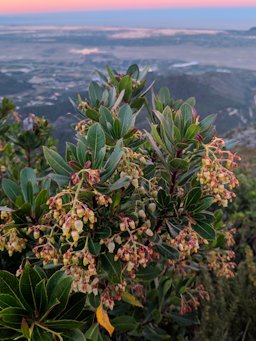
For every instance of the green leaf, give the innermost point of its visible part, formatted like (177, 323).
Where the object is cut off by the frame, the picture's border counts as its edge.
(12, 316)
(81, 153)
(20, 215)
(193, 197)
(126, 118)
(185, 320)
(61, 291)
(163, 198)
(164, 96)
(7, 300)
(205, 230)
(92, 114)
(96, 138)
(156, 149)
(179, 164)
(40, 200)
(167, 251)
(63, 324)
(203, 205)
(9, 284)
(73, 335)
(92, 333)
(186, 114)
(149, 273)
(56, 162)
(126, 84)
(208, 121)
(103, 233)
(75, 306)
(11, 189)
(133, 71)
(41, 335)
(111, 267)
(112, 76)
(156, 136)
(41, 297)
(112, 162)
(28, 175)
(94, 247)
(27, 284)
(120, 183)
(95, 93)
(192, 130)
(30, 193)
(124, 323)
(154, 333)
(70, 151)
(8, 334)
(61, 180)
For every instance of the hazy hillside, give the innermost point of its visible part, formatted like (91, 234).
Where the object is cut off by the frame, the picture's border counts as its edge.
(40, 67)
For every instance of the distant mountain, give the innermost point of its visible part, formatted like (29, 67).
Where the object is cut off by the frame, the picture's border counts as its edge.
(252, 31)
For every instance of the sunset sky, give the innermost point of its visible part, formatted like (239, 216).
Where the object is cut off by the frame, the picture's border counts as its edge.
(28, 6)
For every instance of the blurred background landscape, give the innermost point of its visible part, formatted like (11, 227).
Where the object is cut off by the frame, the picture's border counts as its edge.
(209, 54)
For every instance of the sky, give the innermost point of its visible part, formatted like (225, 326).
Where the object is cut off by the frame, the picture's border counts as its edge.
(212, 14)
(28, 6)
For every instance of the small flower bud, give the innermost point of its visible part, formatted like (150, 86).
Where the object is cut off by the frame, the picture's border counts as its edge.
(142, 214)
(79, 226)
(111, 247)
(152, 207)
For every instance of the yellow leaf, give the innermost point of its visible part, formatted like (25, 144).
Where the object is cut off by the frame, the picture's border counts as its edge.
(129, 298)
(103, 320)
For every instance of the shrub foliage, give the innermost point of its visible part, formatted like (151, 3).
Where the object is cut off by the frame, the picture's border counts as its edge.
(128, 218)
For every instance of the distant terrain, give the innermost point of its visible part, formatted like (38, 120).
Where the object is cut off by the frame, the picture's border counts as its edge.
(40, 67)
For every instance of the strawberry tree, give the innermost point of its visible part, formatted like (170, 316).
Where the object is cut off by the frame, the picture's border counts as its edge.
(135, 217)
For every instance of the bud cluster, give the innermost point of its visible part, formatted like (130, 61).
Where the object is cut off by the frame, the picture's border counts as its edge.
(135, 254)
(131, 165)
(221, 262)
(103, 200)
(188, 305)
(11, 241)
(81, 266)
(217, 172)
(112, 293)
(47, 252)
(190, 301)
(82, 126)
(187, 242)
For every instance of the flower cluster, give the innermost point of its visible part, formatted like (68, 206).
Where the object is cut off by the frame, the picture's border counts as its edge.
(72, 222)
(82, 126)
(131, 165)
(112, 293)
(11, 241)
(188, 305)
(187, 242)
(47, 252)
(217, 172)
(10, 237)
(190, 301)
(221, 262)
(81, 266)
(135, 254)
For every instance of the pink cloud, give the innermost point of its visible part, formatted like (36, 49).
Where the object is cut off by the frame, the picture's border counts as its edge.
(23, 6)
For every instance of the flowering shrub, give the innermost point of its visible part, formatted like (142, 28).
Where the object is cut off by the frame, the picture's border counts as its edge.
(133, 218)
(21, 142)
